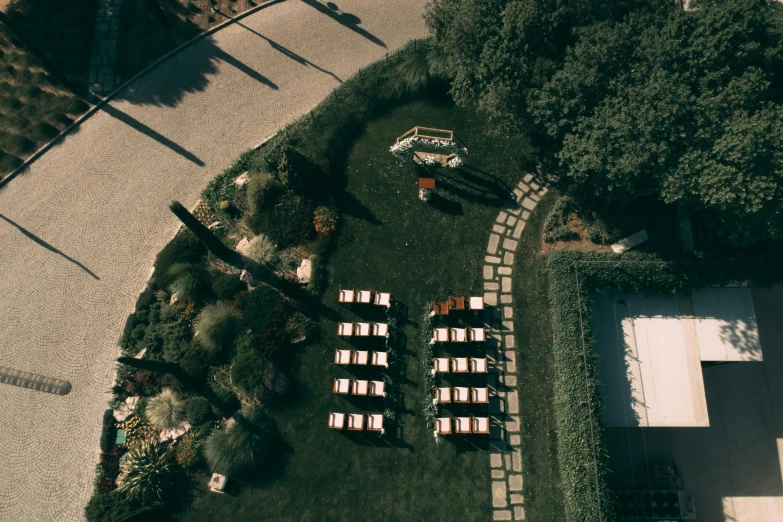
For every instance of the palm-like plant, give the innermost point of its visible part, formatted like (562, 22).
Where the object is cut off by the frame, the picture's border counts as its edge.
(190, 281)
(240, 448)
(166, 410)
(261, 250)
(218, 326)
(147, 473)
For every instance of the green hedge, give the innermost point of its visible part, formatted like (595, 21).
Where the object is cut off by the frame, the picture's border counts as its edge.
(581, 453)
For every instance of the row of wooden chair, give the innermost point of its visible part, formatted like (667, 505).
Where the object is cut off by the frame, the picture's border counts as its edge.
(461, 395)
(458, 335)
(365, 296)
(457, 304)
(460, 365)
(356, 421)
(462, 425)
(359, 387)
(361, 358)
(363, 329)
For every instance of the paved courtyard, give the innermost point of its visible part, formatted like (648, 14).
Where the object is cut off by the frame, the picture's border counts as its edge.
(80, 229)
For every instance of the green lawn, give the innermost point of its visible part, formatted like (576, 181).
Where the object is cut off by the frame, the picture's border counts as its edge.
(390, 241)
(543, 488)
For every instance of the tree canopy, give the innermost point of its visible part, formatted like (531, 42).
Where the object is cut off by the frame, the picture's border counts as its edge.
(630, 99)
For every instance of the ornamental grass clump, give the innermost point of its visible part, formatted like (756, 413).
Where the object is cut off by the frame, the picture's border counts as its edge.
(166, 410)
(191, 281)
(217, 326)
(147, 473)
(241, 447)
(262, 250)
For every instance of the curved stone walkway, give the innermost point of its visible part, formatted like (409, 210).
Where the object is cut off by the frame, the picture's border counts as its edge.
(506, 458)
(80, 228)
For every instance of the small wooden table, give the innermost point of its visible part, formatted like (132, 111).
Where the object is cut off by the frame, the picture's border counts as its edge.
(441, 308)
(426, 183)
(456, 303)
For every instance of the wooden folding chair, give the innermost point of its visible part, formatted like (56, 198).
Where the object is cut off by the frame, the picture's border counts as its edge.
(458, 335)
(443, 395)
(377, 389)
(356, 421)
(362, 329)
(440, 335)
(461, 425)
(364, 296)
(380, 329)
(346, 296)
(480, 425)
(375, 422)
(459, 365)
(383, 299)
(476, 303)
(345, 329)
(456, 303)
(443, 425)
(360, 387)
(380, 359)
(336, 420)
(478, 335)
(342, 386)
(441, 364)
(461, 395)
(478, 365)
(343, 356)
(361, 357)
(479, 395)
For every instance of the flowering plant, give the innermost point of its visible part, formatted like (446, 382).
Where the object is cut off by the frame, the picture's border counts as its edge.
(404, 150)
(425, 195)
(325, 220)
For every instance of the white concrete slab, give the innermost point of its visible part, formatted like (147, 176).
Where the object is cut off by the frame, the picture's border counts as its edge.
(726, 328)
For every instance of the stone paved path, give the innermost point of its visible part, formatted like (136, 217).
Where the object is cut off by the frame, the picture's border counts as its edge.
(506, 459)
(80, 229)
(103, 58)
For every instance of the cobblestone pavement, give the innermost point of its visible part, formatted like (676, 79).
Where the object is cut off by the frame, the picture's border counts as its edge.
(506, 458)
(80, 229)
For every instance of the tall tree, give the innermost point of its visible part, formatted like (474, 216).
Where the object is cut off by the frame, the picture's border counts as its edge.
(687, 106)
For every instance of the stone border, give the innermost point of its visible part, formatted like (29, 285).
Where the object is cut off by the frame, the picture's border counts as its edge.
(505, 458)
(37, 154)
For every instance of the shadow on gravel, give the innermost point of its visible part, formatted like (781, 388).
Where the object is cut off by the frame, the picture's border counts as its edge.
(49, 247)
(147, 131)
(345, 19)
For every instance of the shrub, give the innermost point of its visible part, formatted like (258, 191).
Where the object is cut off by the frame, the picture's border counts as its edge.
(13, 144)
(240, 448)
(249, 373)
(325, 220)
(218, 326)
(199, 411)
(288, 222)
(259, 306)
(261, 250)
(108, 432)
(188, 451)
(108, 507)
(196, 362)
(556, 225)
(148, 473)
(191, 281)
(166, 410)
(226, 286)
(184, 248)
(262, 192)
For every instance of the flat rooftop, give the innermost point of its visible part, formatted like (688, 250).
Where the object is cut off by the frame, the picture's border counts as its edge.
(650, 350)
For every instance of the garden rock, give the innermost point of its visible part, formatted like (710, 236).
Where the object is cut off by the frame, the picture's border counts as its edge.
(125, 409)
(247, 278)
(305, 271)
(215, 225)
(174, 298)
(242, 246)
(140, 354)
(174, 433)
(242, 180)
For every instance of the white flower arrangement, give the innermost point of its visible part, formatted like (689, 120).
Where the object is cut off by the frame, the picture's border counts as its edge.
(425, 195)
(404, 150)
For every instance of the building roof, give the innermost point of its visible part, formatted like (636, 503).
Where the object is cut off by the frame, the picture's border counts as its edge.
(650, 350)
